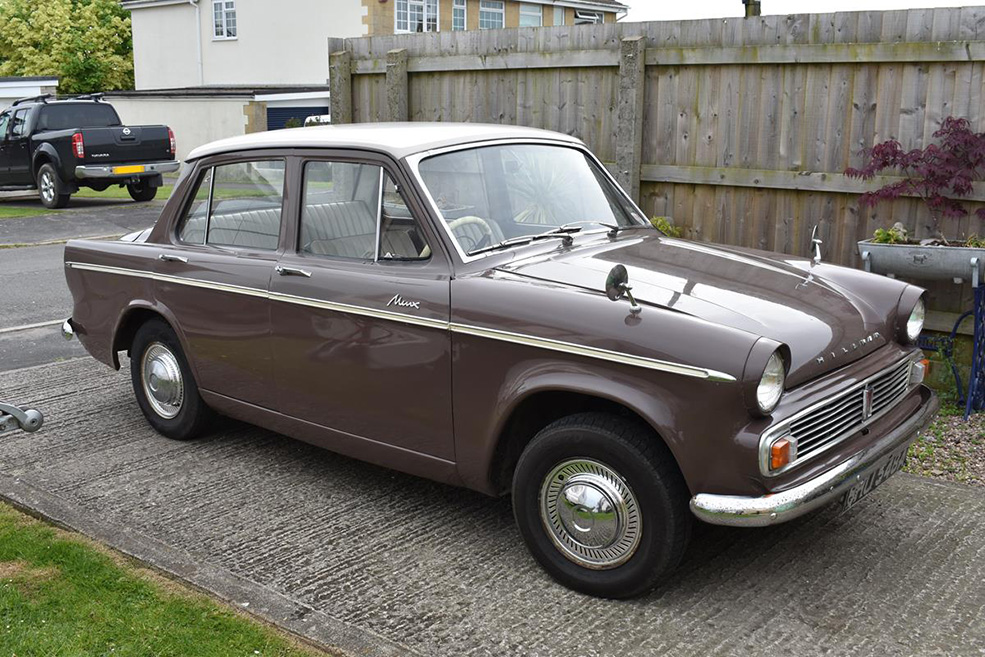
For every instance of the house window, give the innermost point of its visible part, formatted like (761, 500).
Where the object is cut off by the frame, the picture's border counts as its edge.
(588, 17)
(492, 14)
(224, 19)
(416, 16)
(458, 12)
(559, 15)
(530, 15)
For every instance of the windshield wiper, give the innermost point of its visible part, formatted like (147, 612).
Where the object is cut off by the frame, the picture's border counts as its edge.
(523, 239)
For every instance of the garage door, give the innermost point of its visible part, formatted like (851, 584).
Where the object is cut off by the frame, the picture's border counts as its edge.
(277, 117)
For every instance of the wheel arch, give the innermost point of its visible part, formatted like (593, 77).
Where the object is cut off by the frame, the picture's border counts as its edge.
(133, 317)
(45, 154)
(540, 407)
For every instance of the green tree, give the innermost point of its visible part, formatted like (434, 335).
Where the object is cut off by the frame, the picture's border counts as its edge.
(86, 43)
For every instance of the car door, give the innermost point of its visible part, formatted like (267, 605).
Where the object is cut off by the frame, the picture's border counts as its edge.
(213, 279)
(360, 312)
(18, 151)
(5, 147)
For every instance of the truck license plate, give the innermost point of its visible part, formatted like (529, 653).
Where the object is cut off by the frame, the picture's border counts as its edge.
(886, 468)
(136, 168)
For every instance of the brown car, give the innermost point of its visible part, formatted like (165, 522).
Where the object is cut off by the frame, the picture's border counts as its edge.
(484, 306)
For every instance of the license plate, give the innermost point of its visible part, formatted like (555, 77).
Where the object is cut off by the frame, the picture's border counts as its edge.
(136, 168)
(884, 469)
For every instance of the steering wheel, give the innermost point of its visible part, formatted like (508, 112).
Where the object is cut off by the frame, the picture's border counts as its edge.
(484, 227)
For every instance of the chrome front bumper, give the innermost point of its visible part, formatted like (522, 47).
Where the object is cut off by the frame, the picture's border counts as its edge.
(110, 170)
(741, 511)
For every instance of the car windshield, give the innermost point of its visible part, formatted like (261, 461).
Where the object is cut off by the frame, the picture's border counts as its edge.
(499, 196)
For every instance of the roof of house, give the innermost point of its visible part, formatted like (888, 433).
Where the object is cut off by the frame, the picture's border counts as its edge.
(612, 5)
(396, 139)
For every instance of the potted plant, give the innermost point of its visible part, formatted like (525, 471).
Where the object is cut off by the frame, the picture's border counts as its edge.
(940, 175)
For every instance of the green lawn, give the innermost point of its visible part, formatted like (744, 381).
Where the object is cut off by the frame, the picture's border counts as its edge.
(163, 192)
(62, 595)
(11, 211)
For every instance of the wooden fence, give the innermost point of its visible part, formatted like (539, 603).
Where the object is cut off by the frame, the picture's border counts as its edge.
(737, 129)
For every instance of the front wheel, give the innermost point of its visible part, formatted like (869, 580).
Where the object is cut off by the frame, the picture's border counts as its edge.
(51, 189)
(163, 384)
(601, 505)
(142, 191)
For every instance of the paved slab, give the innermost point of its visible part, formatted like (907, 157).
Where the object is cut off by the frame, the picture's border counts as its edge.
(441, 571)
(85, 217)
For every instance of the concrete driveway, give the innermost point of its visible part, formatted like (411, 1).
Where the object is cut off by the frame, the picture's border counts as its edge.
(382, 563)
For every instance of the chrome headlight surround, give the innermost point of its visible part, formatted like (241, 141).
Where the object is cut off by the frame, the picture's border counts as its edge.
(771, 383)
(914, 323)
(764, 376)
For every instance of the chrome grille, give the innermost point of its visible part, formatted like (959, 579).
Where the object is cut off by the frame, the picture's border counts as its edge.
(832, 421)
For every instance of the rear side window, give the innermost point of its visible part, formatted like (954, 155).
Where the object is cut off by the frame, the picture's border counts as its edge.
(237, 205)
(78, 115)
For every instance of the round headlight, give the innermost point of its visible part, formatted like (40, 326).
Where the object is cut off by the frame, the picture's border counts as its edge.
(914, 325)
(771, 385)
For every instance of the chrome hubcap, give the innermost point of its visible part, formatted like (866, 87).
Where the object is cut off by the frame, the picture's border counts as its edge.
(590, 513)
(161, 376)
(47, 186)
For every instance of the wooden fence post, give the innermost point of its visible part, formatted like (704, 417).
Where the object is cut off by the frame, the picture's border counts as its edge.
(397, 86)
(340, 85)
(629, 124)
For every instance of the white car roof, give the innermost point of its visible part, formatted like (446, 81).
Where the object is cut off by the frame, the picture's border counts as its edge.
(396, 139)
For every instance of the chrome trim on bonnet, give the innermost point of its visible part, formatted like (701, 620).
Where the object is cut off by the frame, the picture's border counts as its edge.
(465, 329)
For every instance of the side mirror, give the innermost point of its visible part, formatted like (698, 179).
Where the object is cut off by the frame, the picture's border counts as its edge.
(617, 286)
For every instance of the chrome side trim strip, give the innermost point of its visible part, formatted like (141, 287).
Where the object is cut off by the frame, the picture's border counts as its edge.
(593, 352)
(359, 310)
(464, 329)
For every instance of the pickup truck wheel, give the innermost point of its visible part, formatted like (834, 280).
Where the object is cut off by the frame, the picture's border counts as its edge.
(601, 505)
(50, 188)
(163, 384)
(142, 191)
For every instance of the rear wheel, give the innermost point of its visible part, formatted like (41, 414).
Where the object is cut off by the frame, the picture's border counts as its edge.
(601, 505)
(141, 191)
(51, 189)
(163, 384)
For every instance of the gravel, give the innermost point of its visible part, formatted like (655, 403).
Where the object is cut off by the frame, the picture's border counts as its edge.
(951, 448)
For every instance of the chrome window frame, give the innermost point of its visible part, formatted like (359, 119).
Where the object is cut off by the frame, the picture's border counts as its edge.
(414, 162)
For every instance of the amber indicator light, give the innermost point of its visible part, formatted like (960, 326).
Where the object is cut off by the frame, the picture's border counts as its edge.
(779, 454)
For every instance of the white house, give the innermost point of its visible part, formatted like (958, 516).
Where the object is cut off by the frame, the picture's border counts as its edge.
(216, 68)
(13, 88)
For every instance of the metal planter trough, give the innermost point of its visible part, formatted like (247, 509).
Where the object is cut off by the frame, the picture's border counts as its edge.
(938, 263)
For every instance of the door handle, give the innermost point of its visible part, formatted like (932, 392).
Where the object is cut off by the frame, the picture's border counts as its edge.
(291, 271)
(167, 257)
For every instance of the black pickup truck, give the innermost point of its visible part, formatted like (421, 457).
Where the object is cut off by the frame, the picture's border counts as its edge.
(59, 146)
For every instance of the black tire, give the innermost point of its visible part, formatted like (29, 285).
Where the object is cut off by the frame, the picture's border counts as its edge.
(643, 466)
(183, 419)
(142, 191)
(51, 189)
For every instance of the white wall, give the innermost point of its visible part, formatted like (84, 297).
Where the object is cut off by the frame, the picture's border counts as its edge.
(11, 90)
(165, 51)
(194, 121)
(278, 43)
